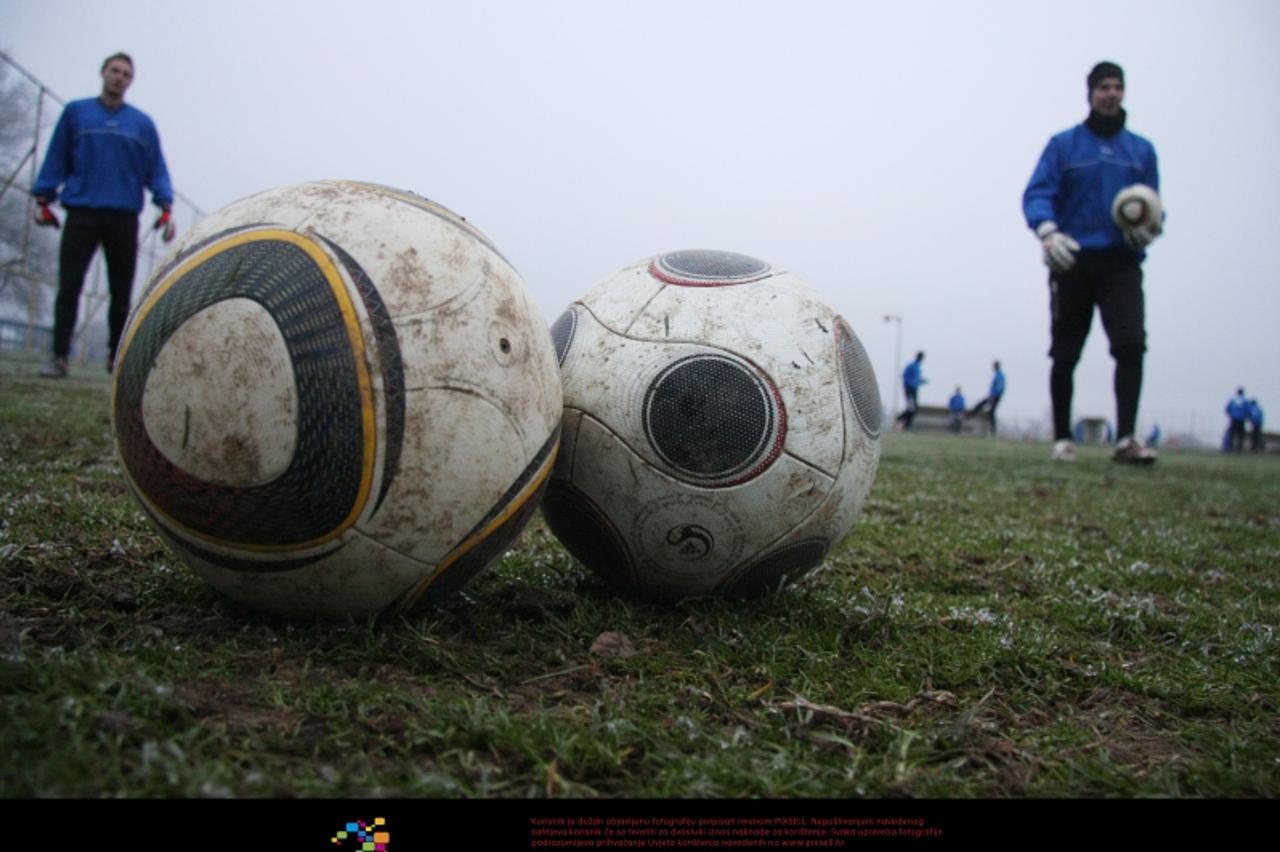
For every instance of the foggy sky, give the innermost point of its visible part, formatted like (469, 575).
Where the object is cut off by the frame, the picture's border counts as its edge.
(880, 153)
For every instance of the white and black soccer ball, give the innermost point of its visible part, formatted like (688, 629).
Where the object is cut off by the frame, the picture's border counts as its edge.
(1137, 206)
(721, 427)
(336, 399)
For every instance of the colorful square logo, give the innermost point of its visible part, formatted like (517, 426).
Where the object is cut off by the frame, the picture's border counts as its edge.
(362, 838)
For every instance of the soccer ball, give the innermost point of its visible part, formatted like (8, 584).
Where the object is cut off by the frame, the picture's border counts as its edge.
(721, 427)
(1137, 206)
(336, 399)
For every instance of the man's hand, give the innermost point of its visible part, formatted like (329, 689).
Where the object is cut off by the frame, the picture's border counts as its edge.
(164, 224)
(45, 216)
(1059, 249)
(1140, 237)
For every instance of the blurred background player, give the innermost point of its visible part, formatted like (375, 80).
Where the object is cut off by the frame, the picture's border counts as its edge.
(1238, 412)
(1253, 414)
(1067, 204)
(102, 155)
(911, 382)
(956, 405)
(993, 397)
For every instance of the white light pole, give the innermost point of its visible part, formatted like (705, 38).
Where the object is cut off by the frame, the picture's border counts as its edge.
(897, 361)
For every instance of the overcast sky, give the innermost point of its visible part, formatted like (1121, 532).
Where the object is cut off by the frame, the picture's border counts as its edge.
(879, 150)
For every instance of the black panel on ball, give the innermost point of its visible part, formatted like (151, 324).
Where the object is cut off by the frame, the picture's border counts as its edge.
(291, 509)
(588, 534)
(708, 268)
(859, 378)
(777, 569)
(562, 332)
(711, 418)
(390, 363)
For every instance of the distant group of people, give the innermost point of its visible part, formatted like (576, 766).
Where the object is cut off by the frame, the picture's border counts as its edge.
(1243, 412)
(913, 378)
(986, 406)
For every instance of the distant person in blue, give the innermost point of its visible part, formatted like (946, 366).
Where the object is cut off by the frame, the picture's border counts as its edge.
(956, 405)
(1254, 415)
(993, 397)
(911, 382)
(102, 155)
(1238, 412)
(1153, 440)
(1067, 204)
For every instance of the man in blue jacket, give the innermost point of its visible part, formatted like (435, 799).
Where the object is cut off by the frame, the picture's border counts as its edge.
(1067, 204)
(102, 155)
(911, 382)
(993, 396)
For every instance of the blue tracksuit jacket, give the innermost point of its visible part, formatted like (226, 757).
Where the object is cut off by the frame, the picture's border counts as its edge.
(103, 159)
(1078, 177)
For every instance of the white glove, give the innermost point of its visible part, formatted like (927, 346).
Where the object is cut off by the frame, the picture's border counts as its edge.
(1140, 237)
(1059, 249)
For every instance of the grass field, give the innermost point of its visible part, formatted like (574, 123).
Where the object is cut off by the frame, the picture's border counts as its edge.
(996, 625)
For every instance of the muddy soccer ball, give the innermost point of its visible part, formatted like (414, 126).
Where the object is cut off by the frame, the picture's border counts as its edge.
(1137, 206)
(721, 427)
(336, 399)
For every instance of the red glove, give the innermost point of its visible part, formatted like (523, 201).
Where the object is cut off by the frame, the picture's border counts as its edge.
(45, 216)
(164, 224)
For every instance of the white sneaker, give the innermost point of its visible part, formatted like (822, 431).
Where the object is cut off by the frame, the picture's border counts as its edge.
(1064, 450)
(1129, 450)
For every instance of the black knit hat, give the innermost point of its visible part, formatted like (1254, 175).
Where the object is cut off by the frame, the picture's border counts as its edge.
(1104, 71)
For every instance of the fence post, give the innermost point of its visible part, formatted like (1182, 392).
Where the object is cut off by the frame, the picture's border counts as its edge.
(33, 295)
